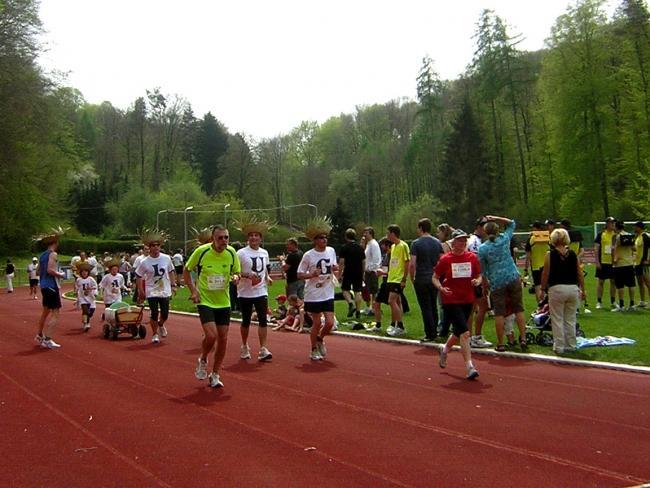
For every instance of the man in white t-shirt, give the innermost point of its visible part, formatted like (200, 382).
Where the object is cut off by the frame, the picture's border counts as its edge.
(32, 270)
(141, 255)
(156, 280)
(177, 261)
(252, 288)
(373, 264)
(318, 268)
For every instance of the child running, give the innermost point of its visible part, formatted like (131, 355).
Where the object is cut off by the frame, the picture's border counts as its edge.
(86, 288)
(460, 273)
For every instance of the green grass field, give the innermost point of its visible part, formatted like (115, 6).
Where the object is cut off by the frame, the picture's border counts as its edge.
(634, 325)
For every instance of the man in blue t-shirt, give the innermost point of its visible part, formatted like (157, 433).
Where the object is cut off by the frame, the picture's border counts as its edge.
(425, 252)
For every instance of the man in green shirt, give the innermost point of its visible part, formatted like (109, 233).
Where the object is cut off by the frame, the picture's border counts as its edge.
(397, 273)
(216, 264)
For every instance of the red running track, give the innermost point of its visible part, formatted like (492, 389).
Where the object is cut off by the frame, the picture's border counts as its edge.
(130, 413)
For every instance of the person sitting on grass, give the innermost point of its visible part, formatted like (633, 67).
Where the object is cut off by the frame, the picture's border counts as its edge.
(456, 275)
(295, 317)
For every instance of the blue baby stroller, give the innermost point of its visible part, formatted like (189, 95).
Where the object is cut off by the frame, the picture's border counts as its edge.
(538, 327)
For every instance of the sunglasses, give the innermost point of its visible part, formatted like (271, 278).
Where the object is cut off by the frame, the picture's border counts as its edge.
(223, 238)
(154, 244)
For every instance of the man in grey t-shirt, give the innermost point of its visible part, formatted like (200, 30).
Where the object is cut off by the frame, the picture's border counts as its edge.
(425, 252)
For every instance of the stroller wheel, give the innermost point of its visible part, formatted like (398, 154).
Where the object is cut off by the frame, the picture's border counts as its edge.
(114, 334)
(580, 332)
(107, 331)
(530, 338)
(546, 339)
(133, 330)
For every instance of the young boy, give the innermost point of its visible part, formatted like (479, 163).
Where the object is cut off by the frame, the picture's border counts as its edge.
(112, 284)
(86, 288)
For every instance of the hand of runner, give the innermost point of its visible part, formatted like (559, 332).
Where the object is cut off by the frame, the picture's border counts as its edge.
(445, 290)
(194, 296)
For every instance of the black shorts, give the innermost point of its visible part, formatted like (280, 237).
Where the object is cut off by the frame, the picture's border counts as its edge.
(394, 288)
(33, 282)
(372, 282)
(246, 305)
(640, 269)
(159, 303)
(318, 307)
(537, 276)
(179, 270)
(219, 316)
(87, 310)
(624, 277)
(51, 298)
(606, 272)
(382, 294)
(355, 284)
(457, 315)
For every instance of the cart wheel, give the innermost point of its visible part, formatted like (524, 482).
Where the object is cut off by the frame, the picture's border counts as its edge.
(546, 339)
(133, 330)
(530, 338)
(580, 332)
(114, 334)
(107, 331)
(143, 331)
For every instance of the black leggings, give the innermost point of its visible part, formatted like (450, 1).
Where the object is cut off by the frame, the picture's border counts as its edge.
(159, 302)
(261, 305)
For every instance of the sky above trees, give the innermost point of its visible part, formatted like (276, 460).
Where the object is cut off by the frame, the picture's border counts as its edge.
(263, 67)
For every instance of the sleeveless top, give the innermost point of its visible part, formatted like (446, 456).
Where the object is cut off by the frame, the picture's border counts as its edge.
(564, 268)
(46, 279)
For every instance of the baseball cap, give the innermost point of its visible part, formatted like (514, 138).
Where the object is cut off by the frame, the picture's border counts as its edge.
(536, 225)
(281, 298)
(610, 219)
(458, 233)
(34, 258)
(565, 223)
(549, 222)
(481, 221)
(639, 224)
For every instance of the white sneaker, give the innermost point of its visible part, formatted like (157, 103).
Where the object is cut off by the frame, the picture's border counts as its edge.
(155, 339)
(214, 381)
(315, 355)
(50, 344)
(587, 311)
(201, 371)
(374, 329)
(599, 306)
(390, 330)
(478, 341)
(264, 354)
(245, 352)
(398, 332)
(642, 305)
(86, 327)
(616, 308)
(322, 349)
(472, 373)
(163, 331)
(442, 361)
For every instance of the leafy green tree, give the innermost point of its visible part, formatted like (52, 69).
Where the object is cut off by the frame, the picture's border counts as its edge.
(211, 146)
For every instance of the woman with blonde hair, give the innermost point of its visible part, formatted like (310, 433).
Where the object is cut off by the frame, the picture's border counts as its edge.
(563, 279)
(444, 236)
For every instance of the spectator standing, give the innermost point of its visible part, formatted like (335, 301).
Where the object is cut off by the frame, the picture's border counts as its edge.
(177, 261)
(10, 270)
(290, 263)
(397, 273)
(563, 279)
(32, 272)
(536, 249)
(373, 265)
(604, 250)
(502, 277)
(351, 267)
(456, 275)
(425, 252)
(642, 262)
(623, 267)
(481, 305)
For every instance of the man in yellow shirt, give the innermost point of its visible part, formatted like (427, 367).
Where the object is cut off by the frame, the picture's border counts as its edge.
(216, 264)
(604, 250)
(642, 262)
(623, 263)
(397, 273)
(537, 246)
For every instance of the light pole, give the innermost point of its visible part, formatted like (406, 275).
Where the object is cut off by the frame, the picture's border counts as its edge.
(225, 215)
(185, 229)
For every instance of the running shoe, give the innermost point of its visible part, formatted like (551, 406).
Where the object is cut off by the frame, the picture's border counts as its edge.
(322, 349)
(163, 331)
(617, 308)
(397, 332)
(390, 330)
(50, 344)
(315, 355)
(472, 373)
(245, 352)
(442, 361)
(86, 327)
(587, 311)
(478, 341)
(201, 371)
(155, 339)
(38, 339)
(214, 381)
(264, 354)
(374, 329)
(599, 306)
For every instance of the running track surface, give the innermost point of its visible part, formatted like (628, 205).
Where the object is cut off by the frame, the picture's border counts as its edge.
(374, 414)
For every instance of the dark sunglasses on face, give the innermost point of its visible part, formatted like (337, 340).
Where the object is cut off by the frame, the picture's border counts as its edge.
(223, 238)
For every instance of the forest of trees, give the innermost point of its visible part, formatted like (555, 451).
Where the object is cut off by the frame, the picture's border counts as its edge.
(560, 132)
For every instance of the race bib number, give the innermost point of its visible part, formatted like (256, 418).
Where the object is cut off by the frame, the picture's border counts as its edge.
(216, 282)
(461, 270)
(608, 249)
(394, 262)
